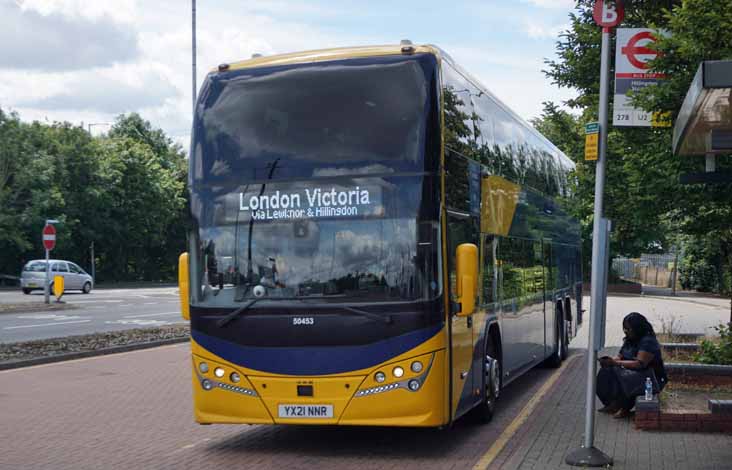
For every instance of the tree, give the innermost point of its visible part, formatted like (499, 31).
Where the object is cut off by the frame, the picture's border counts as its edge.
(125, 192)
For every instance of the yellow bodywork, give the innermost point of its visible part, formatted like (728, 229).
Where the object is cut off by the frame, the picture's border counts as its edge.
(264, 392)
(322, 55)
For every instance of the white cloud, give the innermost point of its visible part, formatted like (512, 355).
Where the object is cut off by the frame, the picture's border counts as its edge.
(539, 30)
(52, 40)
(115, 90)
(554, 4)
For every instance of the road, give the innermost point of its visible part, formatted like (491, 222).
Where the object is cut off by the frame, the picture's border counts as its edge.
(101, 310)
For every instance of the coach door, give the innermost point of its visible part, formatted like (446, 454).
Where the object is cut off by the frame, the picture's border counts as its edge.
(461, 228)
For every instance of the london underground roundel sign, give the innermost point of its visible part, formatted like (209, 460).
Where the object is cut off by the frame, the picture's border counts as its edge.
(608, 13)
(49, 237)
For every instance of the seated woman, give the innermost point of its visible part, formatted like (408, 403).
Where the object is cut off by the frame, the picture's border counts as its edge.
(623, 377)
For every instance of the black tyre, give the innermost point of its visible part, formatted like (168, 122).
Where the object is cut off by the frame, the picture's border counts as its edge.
(555, 360)
(493, 371)
(564, 333)
(26, 291)
(87, 287)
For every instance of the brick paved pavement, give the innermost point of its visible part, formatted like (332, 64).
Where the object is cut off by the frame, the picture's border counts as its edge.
(134, 411)
(557, 426)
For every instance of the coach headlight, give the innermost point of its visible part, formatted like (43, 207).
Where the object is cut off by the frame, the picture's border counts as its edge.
(416, 367)
(235, 377)
(379, 377)
(219, 372)
(398, 372)
(413, 385)
(203, 367)
(207, 384)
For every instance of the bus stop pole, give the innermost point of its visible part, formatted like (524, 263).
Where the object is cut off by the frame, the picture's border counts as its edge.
(588, 455)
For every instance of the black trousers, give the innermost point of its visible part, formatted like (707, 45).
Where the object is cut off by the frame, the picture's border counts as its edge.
(609, 389)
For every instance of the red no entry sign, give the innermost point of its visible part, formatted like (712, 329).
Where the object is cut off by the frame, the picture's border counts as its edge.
(49, 237)
(608, 13)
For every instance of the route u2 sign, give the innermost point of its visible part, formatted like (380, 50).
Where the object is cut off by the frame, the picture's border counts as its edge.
(608, 13)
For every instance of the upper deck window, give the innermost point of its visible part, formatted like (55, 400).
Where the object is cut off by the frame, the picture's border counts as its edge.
(355, 116)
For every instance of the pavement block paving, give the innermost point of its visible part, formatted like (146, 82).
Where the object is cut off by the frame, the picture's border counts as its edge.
(557, 426)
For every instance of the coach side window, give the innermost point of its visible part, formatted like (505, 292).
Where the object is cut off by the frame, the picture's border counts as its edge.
(490, 271)
(461, 148)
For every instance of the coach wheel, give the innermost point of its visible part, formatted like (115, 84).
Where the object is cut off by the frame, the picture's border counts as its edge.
(492, 370)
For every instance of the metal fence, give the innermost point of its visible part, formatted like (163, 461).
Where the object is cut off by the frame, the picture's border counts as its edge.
(652, 269)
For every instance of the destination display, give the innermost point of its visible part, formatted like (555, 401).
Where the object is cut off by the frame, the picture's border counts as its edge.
(311, 202)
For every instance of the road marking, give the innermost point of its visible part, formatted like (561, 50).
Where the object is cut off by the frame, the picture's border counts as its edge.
(150, 303)
(48, 316)
(507, 433)
(45, 324)
(124, 305)
(152, 315)
(139, 322)
(83, 359)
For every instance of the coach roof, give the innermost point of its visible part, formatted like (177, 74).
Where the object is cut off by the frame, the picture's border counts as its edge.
(322, 55)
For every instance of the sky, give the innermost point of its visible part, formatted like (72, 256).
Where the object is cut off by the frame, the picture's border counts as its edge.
(87, 62)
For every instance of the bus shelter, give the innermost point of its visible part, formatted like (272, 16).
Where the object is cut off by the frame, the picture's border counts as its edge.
(704, 123)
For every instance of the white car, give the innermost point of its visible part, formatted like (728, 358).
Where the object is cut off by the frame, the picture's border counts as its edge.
(34, 276)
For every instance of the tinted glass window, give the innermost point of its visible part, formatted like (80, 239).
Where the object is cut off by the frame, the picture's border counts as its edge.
(458, 94)
(59, 267)
(343, 239)
(35, 266)
(74, 268)
(356, 116)
(522, 269)
(490, 269)
(485, 109)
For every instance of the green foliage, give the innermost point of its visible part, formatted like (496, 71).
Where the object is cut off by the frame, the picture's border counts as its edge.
(125, 192)
(717, 352)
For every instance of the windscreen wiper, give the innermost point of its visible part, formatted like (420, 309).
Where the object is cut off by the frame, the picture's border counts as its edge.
(235, 313)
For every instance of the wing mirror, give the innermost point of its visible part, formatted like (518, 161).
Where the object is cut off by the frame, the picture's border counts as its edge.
(466, 267)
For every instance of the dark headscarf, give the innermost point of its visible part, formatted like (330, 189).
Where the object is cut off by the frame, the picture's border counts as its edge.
(639, 325)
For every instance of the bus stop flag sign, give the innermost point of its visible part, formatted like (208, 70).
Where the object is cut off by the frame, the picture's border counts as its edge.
(49, 237)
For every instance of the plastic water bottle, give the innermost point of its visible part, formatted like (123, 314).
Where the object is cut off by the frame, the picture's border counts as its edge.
(649, 389)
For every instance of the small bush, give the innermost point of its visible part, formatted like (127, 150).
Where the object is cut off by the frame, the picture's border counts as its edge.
(719, 352)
